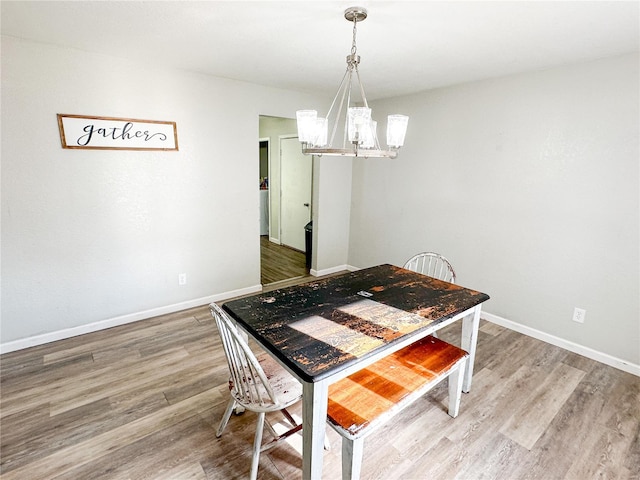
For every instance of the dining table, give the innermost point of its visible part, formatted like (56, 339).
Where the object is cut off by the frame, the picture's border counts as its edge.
(327, 329)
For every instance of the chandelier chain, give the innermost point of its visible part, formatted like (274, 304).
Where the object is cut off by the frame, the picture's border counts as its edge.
(353, 43)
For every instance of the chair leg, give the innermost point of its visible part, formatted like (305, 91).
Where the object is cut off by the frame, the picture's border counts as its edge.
(352, 458)
(290, 419)
(257, 441)
(225, 417)
(455, 388)
(294, 425)
(270, 428)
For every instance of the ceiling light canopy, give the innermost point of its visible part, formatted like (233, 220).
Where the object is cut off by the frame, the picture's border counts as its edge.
(359, 134)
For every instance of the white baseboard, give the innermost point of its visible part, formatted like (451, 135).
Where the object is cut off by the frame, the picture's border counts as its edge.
(122, 320)
(329, 271)
(134, 317)
(566, 344)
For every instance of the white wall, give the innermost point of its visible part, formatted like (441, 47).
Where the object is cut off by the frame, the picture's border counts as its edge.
(530, 185)
(331, 213)
(99, 237)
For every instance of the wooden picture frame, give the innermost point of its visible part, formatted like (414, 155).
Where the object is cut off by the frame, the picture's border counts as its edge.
(111, 133)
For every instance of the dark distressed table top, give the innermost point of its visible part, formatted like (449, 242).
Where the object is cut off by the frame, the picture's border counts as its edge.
(323, 326)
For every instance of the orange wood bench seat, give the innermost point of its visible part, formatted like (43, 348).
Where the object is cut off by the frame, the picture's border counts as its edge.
(365, 400)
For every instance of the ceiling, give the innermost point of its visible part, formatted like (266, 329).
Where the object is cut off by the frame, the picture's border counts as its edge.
(405, 46)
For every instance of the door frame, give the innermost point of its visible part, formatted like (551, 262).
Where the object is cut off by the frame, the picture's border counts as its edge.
(267, 140)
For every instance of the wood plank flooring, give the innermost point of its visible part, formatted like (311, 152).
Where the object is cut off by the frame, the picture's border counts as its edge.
(142, 401)
(278, 262)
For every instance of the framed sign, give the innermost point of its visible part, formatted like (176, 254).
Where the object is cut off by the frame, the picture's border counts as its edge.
(107, 133)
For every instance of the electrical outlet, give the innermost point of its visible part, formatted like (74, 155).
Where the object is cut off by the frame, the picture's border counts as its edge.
(579, 314)
(182, 279)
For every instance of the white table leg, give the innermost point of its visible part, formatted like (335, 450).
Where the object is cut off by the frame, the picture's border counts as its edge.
(470, 325)
(314, 417)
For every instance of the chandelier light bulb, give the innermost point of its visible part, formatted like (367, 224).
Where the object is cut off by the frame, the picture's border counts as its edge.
(306, 120)
(359, 121)
(396, 130)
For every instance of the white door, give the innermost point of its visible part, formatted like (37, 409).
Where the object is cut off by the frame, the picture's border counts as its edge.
(295, 193)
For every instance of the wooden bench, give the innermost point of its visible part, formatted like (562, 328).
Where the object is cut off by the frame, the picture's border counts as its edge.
(365, 400)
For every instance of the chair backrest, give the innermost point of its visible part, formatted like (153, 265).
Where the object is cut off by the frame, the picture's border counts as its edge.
(433, 265)
(248, 383)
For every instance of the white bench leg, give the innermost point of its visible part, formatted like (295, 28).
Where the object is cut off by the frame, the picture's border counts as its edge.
(351, 458)
(455, 387)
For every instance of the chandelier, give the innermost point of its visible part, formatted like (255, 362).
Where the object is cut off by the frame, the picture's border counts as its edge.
(359, 134)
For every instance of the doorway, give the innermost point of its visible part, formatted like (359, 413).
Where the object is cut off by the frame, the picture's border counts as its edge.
(287, 184)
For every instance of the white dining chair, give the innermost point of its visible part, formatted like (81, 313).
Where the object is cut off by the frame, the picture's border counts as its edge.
(432, 264)
(256, 383)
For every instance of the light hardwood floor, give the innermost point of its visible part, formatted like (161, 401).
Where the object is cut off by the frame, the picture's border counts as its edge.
(278, 262)
(143, 401)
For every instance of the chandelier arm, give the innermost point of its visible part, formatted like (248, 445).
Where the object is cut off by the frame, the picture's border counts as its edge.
(364, 97)
(340, 88)
(376, 142)
(343, 87)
